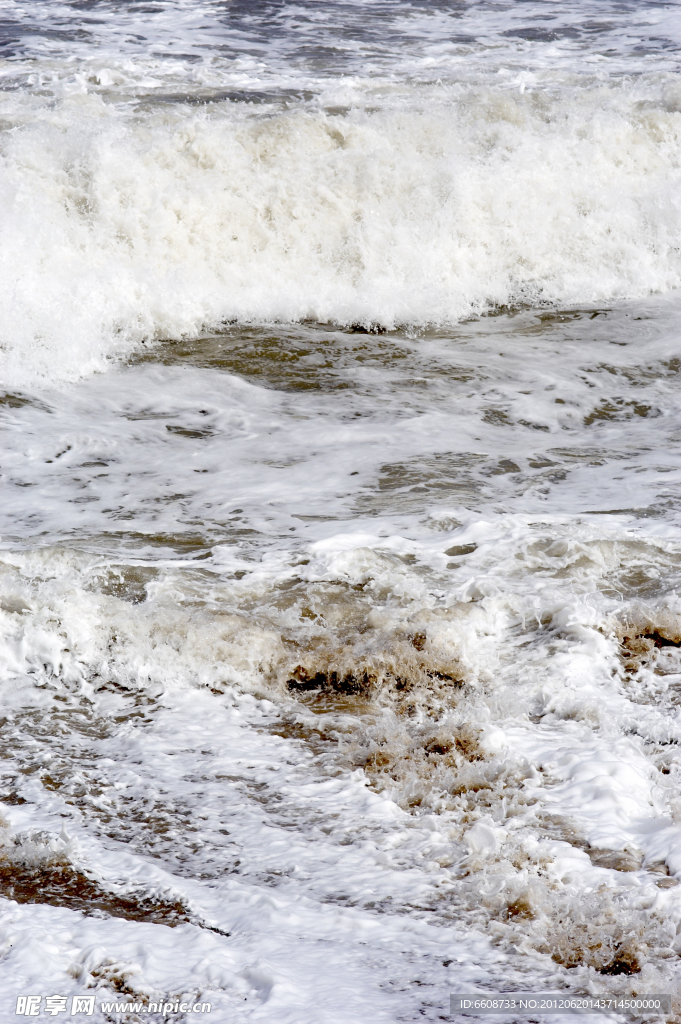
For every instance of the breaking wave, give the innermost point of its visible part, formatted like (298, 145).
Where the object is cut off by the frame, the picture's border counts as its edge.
(123, 223)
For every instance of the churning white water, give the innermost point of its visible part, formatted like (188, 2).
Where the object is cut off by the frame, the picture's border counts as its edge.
(340, 410)
(127, 219)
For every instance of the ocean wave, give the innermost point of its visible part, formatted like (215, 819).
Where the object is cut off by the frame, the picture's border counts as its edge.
(123, 225)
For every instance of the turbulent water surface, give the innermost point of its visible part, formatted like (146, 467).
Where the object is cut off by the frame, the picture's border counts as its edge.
(340, 420)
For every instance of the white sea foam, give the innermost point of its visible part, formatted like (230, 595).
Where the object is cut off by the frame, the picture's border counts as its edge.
(353, 657)
(120, 226)
(530, 799)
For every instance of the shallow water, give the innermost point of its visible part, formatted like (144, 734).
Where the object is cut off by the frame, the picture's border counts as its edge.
(340, 473)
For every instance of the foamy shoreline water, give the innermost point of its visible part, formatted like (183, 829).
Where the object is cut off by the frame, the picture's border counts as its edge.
(340, 549)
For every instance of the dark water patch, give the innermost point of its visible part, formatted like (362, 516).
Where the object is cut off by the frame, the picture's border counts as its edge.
(189, 544)
(277, 98)
(412, 484)
(644, 375)
(366, 329)
(616, 860)
(63, 885)
(127, 582)
(541, 35)
(650, 512)
(17, 400)
(285, 358)
(367, 682)
(618, 409)
(308, 357)
(587, 455)
(627, 962)
(349, 683)
(13, 401)
(501, 467)
(188, 432)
